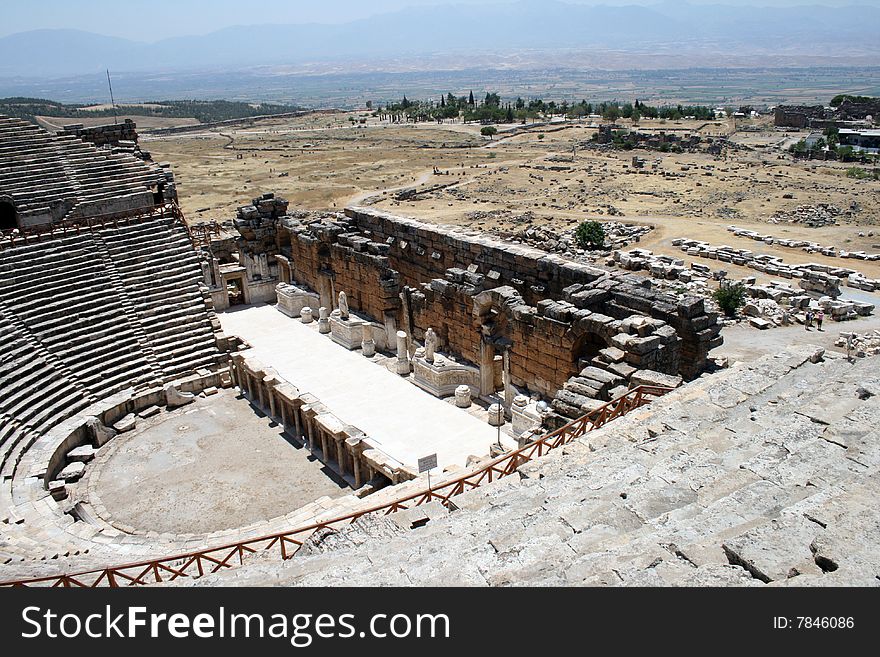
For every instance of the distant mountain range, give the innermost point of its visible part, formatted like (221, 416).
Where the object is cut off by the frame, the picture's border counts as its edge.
(528, 25)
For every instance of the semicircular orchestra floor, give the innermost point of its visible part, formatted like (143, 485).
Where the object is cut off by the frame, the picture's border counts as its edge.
(213, 465)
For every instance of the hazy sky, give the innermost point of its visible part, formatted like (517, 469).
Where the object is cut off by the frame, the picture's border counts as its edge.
(151, 20)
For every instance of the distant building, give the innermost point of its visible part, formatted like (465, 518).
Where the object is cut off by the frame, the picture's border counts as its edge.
(799, 116)
(847, 114)
(864, 141)
(813, 139)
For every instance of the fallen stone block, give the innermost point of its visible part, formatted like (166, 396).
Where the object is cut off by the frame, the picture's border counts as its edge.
(81, 454)
(150, 411)
(652, 378)
(175, 399)
(72, 472)
(126, 424)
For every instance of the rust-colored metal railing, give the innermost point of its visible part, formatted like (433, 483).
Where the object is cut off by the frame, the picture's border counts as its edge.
(287, 543)
(201, 234)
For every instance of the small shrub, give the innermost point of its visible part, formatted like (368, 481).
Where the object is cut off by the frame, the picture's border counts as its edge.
(730, 298)
(590, 235)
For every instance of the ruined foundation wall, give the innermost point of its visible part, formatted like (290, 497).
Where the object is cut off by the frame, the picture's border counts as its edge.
(368, 281)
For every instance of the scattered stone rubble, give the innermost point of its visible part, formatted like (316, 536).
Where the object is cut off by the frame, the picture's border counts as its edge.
(617, 236)
(774, 304)
(805, 245)
(814, 216)
(862, 344)
(814, 277)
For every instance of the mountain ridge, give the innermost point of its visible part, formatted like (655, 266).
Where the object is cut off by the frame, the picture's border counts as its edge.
(524, 25)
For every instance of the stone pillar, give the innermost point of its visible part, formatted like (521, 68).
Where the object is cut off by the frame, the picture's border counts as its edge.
(298, 422)
(487, 369)
(368, 345)
(272, 407)
(215, 271)
(233, 372)
(323, 320)
(306, 315)
(310, 433)
(356, 463)
(340, 457)
(325, 450)
(463, 396)
(402, 355)
(496, 415)
(390, 328)
(261, 403)
(505, 377)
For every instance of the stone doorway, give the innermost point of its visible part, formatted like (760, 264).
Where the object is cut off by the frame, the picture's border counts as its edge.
(235, 291)
(8, 215)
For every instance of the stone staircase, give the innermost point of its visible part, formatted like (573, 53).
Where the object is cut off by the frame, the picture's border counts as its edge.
(161, 275)
(84, 318)
(68, 178)
(762, 474)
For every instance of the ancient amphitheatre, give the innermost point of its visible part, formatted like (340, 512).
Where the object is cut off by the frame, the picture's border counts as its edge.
(274, 328)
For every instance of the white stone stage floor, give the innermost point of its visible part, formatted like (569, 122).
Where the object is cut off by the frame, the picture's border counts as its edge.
(402, 420)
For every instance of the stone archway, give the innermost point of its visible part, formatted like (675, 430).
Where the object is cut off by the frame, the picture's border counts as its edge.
(492, 314)
(585, 348)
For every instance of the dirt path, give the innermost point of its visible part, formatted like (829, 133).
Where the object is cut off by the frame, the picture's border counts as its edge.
(746, 344)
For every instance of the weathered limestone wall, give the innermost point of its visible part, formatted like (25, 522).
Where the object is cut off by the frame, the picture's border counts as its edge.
(367, 279)
(485, 298)
(421, 252)
(104, 135)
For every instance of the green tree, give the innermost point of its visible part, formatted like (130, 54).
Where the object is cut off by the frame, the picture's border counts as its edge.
(730, 297)
(611, 113)
(590, 235)
(489, 131)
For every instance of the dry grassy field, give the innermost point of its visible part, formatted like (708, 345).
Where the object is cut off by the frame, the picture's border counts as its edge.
(325, 161)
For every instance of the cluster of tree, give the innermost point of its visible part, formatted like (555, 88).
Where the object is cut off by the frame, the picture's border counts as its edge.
(491, 109)
(838, 100)
(467, 108)
(612, 111)
(626, 141)
(204, 111)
